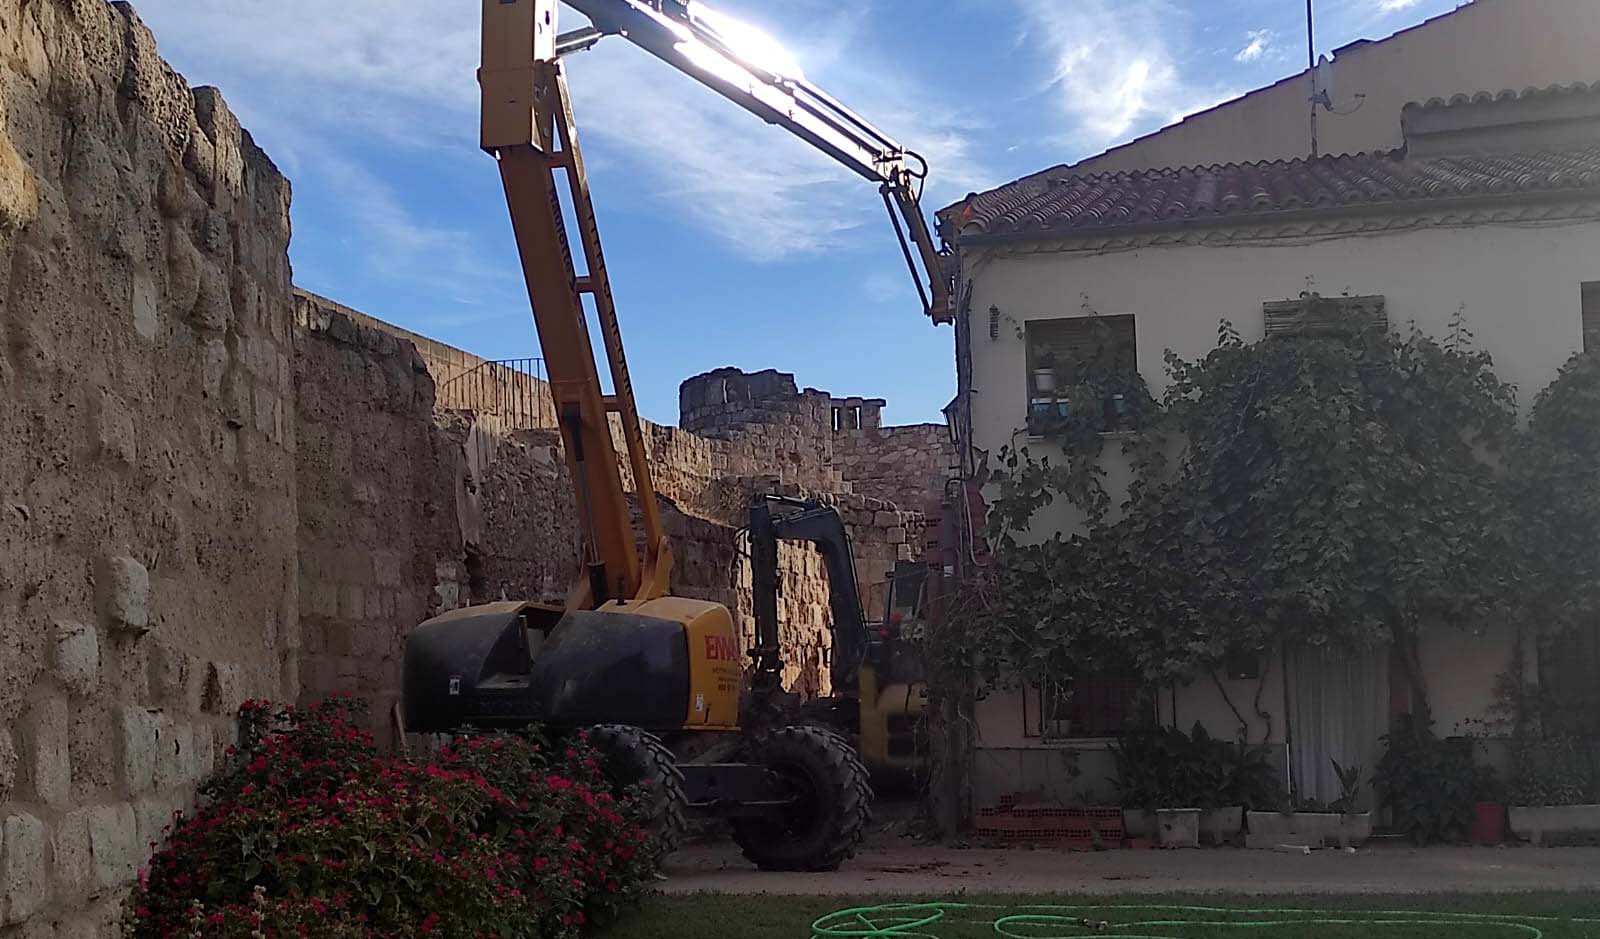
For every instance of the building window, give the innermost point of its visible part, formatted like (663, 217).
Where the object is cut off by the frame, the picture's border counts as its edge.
(1067, 357)
(1591, 316)
(1313, 315)
(1079, 708)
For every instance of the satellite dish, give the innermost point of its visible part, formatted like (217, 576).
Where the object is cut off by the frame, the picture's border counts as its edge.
(1322, 82)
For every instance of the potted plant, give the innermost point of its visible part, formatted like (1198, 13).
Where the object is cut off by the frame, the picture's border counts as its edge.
(1167, 778)
(1313, 822)
(1555, 788)
(1489, 809)
(1252, 784)
(1426, 782)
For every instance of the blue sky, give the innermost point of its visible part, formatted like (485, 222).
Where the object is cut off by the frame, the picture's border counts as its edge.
(728, 242)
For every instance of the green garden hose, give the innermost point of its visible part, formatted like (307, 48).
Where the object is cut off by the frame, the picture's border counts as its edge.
(1104, 921)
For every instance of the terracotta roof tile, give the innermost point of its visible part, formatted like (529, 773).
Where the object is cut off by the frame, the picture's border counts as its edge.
(1508, 94)
(1065, 203)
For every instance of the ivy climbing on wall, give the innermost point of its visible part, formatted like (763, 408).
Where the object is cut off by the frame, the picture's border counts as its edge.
(1342, 486)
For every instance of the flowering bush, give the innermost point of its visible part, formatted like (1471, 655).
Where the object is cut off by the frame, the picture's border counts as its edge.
(309, 832)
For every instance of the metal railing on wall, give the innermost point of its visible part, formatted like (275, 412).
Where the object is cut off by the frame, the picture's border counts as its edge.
(505, 396)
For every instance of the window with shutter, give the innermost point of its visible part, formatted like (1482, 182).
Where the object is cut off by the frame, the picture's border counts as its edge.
(1312, 315)
(1062, 351)
(1088, 706)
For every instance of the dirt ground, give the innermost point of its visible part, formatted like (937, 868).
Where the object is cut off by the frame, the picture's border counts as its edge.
(899, 866)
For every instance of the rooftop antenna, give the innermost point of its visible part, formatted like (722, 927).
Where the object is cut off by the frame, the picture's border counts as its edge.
(1311, 69)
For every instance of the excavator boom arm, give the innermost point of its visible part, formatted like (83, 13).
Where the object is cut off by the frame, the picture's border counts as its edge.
(752, 72)
(527, 125)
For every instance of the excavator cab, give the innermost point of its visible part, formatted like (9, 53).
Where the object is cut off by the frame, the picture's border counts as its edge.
(893, 685)
(879, 691)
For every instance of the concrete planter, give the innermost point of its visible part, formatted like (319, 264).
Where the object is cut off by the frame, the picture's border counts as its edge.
(1178, 828)
(1270, 829)
(1219, 826)
(1534, 822)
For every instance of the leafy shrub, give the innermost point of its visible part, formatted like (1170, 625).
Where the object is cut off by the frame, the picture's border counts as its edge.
(1166, 768)
(1428, 784)
(1557, 770)
(308, 832)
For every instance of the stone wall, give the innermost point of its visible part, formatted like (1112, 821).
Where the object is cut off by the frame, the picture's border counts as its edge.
(511, 392)
(906, 465)
(147, 474)
(816, 440)
(378, 532)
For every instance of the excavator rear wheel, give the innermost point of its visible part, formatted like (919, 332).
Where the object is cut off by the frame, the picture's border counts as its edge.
(831, 806)
(634, 758)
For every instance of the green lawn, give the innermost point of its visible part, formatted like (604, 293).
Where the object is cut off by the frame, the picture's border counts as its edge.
(1518, 916)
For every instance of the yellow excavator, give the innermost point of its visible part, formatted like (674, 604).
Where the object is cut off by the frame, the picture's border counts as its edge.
(656, 680)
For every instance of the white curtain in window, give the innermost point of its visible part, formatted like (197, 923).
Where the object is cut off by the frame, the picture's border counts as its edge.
(1339, 708)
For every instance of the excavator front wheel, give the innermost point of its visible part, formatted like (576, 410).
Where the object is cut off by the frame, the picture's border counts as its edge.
(634, 758)
(830, 802)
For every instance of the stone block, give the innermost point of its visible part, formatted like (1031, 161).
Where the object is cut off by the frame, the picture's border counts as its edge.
(225, 689)
(352, 602)
(323, 598)
(150, 820)
(43, 927)
(170, 745)
(213, 306)
(266, 403)
(76, 657)
(114, 432)
(46, 767)
(140, 740)
(74, 871)
(8, 765)
(146, 309)
(24, 866)
(213, 366)
(205, 751)
(173, 676)
(123, 588)
(19, 193)
(114, 846)
(388, 567)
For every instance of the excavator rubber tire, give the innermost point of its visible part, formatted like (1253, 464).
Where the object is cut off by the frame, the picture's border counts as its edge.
(633, 757)
(826, 824)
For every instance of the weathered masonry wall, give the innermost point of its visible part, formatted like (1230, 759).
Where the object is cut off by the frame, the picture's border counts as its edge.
(813, 437)
(511, 394)
(147, 452)
(375, 499)
(905, 465)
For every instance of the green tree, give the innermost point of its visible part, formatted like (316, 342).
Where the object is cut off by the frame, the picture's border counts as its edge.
(1555, 483)
(1340, 488)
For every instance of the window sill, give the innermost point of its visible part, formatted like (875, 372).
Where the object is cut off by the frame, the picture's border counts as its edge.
(1104, 435)
(1069, 743)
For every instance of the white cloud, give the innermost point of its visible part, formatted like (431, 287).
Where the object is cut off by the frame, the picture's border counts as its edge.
(365, 68)
(1393, 6)
(1260, 40)
(1113, 68)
